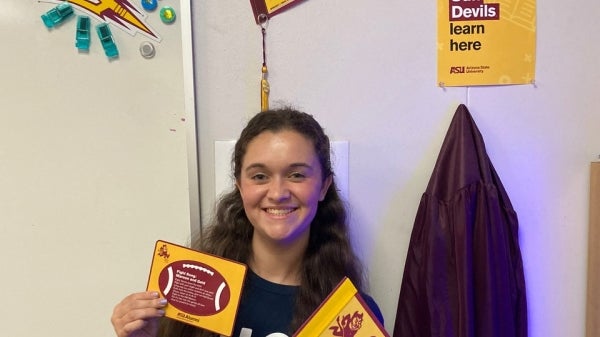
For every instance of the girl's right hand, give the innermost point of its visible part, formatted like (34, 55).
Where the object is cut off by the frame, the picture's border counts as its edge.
(138, 314)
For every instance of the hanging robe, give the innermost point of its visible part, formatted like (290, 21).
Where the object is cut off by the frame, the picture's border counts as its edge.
(463, 275)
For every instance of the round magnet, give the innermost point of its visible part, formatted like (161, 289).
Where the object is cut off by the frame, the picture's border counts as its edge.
(167, 14)
(147, 50)
(149, 5)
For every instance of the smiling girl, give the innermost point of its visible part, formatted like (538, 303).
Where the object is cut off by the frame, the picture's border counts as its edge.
(284, 219)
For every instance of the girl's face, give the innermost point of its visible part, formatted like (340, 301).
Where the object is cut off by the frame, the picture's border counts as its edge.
(281, 185)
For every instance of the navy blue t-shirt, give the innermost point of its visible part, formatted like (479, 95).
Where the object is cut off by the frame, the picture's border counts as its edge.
(266, 308)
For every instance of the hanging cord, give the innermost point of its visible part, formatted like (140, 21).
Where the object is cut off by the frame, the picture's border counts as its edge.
(264, 84)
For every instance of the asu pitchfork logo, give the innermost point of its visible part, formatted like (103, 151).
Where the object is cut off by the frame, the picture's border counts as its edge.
(119, 12)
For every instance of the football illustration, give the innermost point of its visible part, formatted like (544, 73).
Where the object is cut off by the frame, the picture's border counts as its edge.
(193, 287)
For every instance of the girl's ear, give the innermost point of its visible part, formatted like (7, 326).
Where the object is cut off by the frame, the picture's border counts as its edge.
(325, 187)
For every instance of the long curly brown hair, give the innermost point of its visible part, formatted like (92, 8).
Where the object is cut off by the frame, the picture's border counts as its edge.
(329, 255)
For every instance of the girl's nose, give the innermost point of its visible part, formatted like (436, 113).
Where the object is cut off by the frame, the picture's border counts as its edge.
(278, 190)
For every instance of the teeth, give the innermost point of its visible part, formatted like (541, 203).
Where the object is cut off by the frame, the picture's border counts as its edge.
(279, 211)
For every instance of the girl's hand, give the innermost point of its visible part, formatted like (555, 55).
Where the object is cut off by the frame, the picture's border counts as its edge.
(137, 315)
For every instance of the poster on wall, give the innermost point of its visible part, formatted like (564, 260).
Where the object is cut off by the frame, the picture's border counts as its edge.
(486, 42)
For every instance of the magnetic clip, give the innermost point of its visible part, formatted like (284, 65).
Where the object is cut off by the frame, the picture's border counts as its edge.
(82, 34)
(106, 38)
(57, 15)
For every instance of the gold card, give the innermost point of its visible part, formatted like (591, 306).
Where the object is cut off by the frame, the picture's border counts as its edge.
(201, 289)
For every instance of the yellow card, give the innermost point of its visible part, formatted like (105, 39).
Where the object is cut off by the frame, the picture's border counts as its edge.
(201, 289)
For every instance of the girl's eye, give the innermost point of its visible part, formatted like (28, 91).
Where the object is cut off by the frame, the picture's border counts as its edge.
(259, 177)
(297, 176)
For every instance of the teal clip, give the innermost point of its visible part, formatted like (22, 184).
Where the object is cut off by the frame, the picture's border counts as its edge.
(82, 34)
(106, 38)
(57, 15)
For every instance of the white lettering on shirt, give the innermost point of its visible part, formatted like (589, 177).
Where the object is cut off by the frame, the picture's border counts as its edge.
(245, 332)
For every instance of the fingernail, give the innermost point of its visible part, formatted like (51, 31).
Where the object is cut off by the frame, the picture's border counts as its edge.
(161, 312)
(162, 301)
(155, 294)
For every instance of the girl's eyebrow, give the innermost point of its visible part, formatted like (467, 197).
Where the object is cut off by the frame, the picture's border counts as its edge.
(305, 165)
(255, 166)
(263, 166)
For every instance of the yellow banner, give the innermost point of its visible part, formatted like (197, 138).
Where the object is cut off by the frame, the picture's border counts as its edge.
(343, 313)
(486, 42)
(273, 5)
(265, 9)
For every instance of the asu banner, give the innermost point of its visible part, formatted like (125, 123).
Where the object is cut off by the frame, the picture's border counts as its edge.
(344, 313)
(265, 9)
(486, 42)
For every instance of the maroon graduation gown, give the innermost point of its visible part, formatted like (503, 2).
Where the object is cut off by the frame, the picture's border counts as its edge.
(463, 275)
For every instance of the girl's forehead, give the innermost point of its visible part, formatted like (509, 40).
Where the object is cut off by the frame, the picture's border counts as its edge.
(281, 145)
(283, 138)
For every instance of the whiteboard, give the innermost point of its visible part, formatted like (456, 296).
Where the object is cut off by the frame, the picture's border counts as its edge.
(97, 162)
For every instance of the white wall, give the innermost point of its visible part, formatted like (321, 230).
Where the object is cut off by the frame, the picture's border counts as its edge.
(94, 163)
(367, 71)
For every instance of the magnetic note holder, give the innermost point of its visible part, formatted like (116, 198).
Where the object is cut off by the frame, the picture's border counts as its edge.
(82, 34)
(57, 15)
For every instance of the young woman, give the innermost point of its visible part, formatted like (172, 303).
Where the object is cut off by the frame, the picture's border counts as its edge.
(284, 219)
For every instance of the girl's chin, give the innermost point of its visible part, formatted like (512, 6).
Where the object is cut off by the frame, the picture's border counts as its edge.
(285, 237)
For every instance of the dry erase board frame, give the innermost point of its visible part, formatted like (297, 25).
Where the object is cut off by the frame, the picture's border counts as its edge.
(97, 161)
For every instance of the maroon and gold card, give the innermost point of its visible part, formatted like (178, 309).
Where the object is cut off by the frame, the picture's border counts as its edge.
(201, 289)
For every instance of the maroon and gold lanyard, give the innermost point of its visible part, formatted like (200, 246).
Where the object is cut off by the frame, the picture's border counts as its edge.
(263, 21)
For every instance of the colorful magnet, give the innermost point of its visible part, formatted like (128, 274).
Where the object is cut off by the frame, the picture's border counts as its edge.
(57, 15)
(149, 5)
(106, 38)
(82, 34)
(167, 14)
(147, 50)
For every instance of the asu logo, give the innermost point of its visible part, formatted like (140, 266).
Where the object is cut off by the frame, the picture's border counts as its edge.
(348, 326)
(163, 251)
(457, 70)
(121, 13)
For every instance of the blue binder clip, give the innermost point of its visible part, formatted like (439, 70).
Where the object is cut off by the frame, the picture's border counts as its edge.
(82, 34)
(57, 15)
(106, 38)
